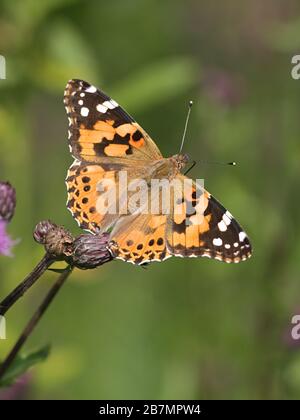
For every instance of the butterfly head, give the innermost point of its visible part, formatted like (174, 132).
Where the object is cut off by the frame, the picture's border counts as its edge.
(181, 160)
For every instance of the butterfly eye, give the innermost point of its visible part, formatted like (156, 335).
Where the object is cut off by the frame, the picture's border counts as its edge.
(185, 158)
(182, 160)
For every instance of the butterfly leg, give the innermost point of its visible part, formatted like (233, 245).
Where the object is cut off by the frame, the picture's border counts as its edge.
(190, 168)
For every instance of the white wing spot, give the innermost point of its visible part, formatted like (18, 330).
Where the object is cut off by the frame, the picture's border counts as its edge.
(217, 241)
(222, 226)
(229, 214)
(84, 111)
(114, 103)
(80, 102)
(227, 246)
(101, 108)
(82, 94)
(242, 236)
(108, 104)
(226, 219)
(206, 255)
(91, 89)
(236, 244)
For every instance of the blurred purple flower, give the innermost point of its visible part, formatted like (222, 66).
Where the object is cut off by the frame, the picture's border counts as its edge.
(222, 87)
(6, 243)
(7, 209)
(17, 391)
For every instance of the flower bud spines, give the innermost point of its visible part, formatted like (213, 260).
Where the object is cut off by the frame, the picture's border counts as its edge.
(7, 201)
(91, 251)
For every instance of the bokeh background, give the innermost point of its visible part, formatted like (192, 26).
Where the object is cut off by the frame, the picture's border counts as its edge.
(183, 328)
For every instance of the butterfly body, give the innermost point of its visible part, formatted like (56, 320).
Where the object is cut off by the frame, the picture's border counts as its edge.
(167, 168)
(108, 144)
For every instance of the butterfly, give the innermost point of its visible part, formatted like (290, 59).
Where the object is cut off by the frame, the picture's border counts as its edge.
(105, 141)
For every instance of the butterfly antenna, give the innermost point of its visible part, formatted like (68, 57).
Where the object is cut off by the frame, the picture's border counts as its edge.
(213, 162)
(186, 125)
(209, 162)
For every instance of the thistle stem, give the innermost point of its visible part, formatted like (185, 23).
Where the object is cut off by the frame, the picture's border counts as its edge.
(29, 281)
(34, 320)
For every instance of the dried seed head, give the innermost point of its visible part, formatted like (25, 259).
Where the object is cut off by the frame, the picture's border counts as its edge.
(91, 251)
(59, 242)
(56, 239)
(7, 201)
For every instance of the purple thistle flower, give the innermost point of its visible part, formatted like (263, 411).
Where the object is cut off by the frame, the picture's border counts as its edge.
(7, 209)
(6, 243)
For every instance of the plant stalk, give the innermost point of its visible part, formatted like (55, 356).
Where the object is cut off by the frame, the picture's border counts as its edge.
(28, 282)
(34, 321)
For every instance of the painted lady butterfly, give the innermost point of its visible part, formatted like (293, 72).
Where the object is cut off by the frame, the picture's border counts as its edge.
(105, 140)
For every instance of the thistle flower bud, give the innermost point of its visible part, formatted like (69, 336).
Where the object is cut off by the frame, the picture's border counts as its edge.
(7, 201)
(91, 251)
(7, 209)
(41, 230)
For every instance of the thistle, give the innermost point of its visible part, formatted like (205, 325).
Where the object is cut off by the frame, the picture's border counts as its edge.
(7, 209)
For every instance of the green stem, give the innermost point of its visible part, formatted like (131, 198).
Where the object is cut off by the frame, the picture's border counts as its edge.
(34, 321)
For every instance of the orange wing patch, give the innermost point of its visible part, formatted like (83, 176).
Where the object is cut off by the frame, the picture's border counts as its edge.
(84, 197)
(143, 242)
(106, 140)
(188, 221)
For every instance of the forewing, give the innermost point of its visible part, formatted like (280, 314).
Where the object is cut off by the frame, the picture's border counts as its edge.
(99, 127)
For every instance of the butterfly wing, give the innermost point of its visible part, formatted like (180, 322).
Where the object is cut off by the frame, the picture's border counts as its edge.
(140, 238)
(95, 197)
(99, 128)
(207, 229)
(104, 140)
(197, 226)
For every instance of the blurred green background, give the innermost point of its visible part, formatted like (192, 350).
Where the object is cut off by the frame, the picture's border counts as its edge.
(184, 328)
